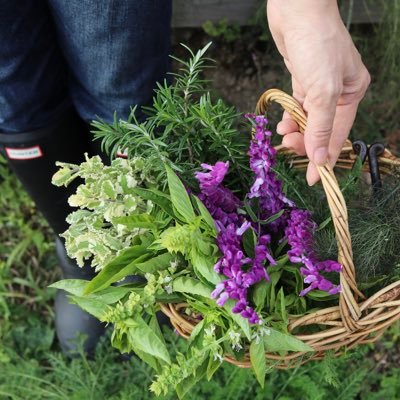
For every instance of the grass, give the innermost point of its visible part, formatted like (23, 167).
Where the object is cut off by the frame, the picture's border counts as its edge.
(32, 367)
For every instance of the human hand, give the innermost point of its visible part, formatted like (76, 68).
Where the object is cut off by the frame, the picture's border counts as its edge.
(328, 77)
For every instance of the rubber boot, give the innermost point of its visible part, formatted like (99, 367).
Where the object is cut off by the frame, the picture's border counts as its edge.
(32, 156)
(70, 319)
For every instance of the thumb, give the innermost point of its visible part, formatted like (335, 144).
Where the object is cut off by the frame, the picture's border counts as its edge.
(321, 114)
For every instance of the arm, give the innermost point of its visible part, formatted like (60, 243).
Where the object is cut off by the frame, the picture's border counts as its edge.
(328, 76)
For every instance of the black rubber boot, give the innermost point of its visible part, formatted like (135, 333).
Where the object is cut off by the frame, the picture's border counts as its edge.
(32, 156)
(70, 319)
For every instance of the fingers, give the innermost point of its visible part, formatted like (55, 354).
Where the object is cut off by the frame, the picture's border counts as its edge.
(287, 125)
(295, 141)
(292, 139)
(344, 119)
(321, 106)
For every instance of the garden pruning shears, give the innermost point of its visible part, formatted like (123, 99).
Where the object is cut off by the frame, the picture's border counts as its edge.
(371, 152)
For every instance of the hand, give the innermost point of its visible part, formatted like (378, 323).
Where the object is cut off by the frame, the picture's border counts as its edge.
(328, 76)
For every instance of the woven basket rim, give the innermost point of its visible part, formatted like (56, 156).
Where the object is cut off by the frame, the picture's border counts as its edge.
(355, 320)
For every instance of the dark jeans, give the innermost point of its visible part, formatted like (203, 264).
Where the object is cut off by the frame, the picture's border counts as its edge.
(100, 55)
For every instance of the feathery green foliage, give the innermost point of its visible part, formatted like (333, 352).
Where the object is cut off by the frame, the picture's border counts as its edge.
(185, 126)
(374, 221)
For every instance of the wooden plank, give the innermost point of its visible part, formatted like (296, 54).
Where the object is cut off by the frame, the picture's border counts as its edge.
(194, 13)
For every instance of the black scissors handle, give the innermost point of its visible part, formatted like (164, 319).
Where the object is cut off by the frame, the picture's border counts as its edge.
(372, 153)
(361, 149)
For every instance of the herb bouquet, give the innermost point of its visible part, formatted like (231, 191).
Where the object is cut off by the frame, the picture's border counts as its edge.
(220, 235)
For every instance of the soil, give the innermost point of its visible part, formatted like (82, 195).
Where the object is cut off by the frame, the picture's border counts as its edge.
(244, 68)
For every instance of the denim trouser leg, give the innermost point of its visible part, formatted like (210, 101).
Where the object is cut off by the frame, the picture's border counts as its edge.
(33, 85)
(116, 51)
(103, 55)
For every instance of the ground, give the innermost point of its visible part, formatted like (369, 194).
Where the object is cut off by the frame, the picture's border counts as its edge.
(31, 365)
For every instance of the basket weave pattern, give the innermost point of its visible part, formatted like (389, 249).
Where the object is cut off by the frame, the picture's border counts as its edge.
(356, 320)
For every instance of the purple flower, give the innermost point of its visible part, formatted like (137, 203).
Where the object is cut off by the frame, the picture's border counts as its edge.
(266, 186)
(299, 232)
(242, 272)
(220, 201)
(231, 265)
(215, 176)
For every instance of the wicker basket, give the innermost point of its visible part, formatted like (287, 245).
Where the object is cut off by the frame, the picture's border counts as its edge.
(356, 320)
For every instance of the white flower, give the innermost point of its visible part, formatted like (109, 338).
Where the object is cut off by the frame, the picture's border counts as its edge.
(168, 289)
(174, 265)
(234, 336)
(265, 331)
(237, 347)
(235, 340)
(167, 279)
(210, 330)
(218, 357)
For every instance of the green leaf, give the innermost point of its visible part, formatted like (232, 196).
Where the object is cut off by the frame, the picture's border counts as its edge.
(205, 214)
(242, 322)
(157, 197)
(77, 287)
(260, 294)
(169, 298)
(154, 362)
(249, 240)
(275, 273)
(204, 266)
(136, 221)
(64, 176)
(320, 295)
(258, 360)
(157, 263)
(143, 338)
(323, 224)
(94, 307)
(121, 266)
(155, 327)
(108, 188)
(183, 387)
(212, 367)
(73, 286)
(179, 196)
(185, 284)
(197, 330)
(281, 305)
(272, 218)
(278, 341)
(250, 211)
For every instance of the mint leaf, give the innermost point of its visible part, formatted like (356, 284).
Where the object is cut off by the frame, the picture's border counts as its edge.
(258, 360)
(136, 221)
(179, 196)
(117, 269)
(278, 341)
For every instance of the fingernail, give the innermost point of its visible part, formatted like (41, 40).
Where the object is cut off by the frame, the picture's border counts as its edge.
(320, 155)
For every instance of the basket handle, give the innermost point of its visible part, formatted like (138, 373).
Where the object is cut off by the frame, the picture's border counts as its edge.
(349, 295)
